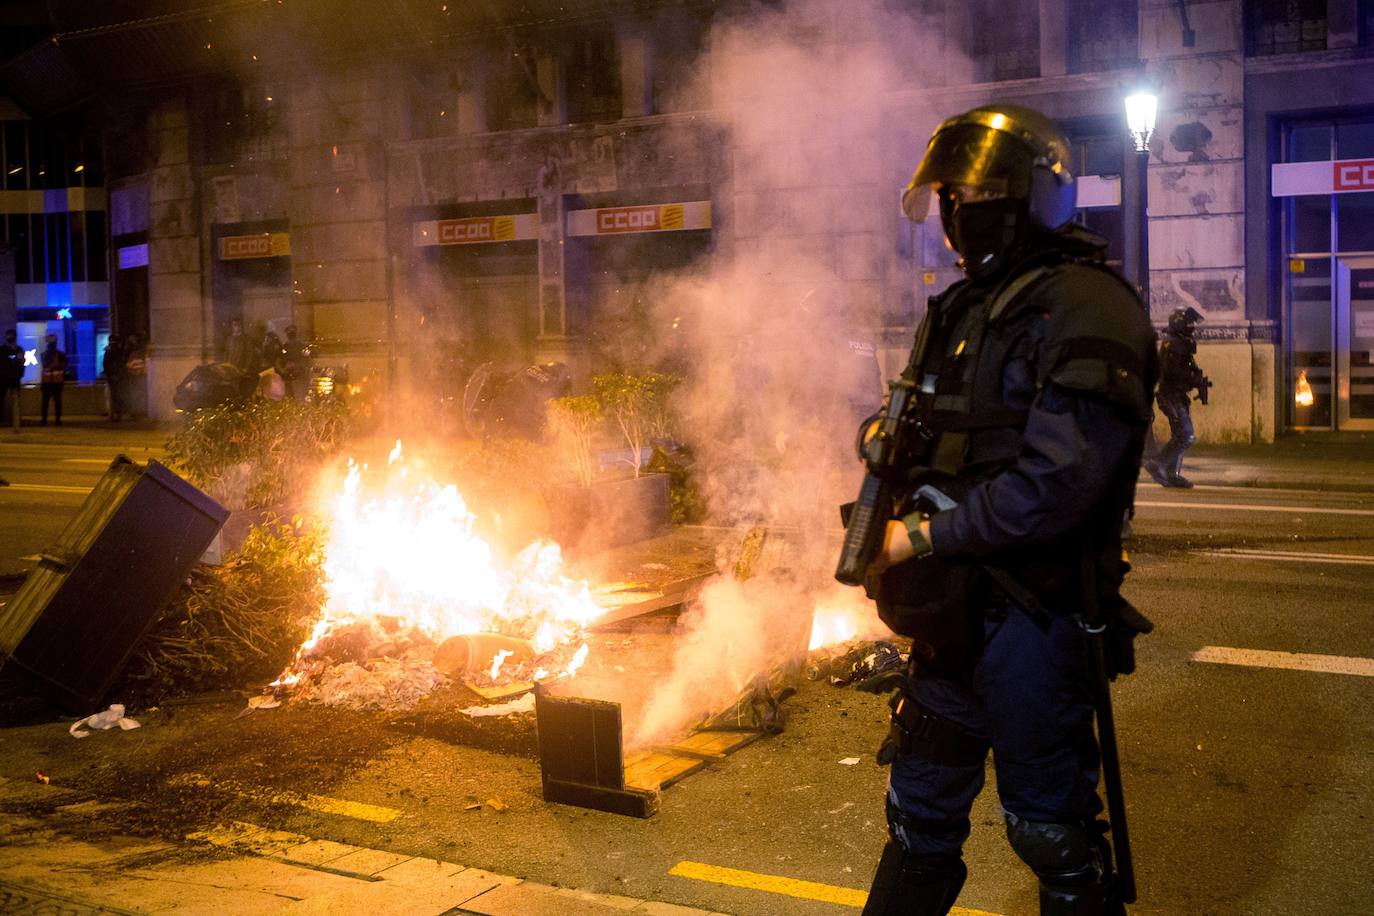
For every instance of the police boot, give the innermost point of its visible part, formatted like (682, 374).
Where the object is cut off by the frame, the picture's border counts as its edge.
(912, 885)
(1176, 478)
(1156, 471)
(1095, 898)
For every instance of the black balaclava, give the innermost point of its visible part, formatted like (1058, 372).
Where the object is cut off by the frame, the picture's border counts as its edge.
(984, 233)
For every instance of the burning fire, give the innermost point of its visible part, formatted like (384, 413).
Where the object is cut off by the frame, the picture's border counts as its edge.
(401, 557)
(1302, 395)
(843, 615)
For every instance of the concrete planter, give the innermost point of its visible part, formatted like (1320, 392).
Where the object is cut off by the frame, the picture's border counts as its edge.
(609, 513)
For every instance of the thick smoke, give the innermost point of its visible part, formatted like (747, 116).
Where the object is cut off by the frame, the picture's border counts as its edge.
(780, 330)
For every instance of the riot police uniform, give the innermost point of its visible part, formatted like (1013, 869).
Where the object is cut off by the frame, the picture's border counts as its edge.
(1034, 377)
(1178, 376)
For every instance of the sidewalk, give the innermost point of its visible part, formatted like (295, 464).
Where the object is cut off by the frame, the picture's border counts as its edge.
(62, 855)
(1303, 461)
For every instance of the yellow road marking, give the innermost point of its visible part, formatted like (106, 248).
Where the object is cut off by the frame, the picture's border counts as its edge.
(790, 887)
(322, 803)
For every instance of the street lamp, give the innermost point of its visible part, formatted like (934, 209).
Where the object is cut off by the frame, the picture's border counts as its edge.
(1140, 119)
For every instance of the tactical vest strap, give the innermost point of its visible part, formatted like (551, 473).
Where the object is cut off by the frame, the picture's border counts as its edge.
(1112, 352)
(993, 419)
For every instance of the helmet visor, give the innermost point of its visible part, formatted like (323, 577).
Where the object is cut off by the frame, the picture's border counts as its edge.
(968, 154)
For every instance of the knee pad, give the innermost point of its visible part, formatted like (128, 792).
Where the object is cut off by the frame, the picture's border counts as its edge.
(1059, 854)
(914, 885)
(928, 836)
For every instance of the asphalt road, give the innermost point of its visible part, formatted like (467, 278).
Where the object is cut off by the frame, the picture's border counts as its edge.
(49, 474)
(1247, 773)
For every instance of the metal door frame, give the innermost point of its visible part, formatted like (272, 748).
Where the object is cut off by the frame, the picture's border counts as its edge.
(1340, 324)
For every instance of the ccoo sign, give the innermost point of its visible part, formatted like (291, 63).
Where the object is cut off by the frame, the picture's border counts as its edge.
(1353, 175)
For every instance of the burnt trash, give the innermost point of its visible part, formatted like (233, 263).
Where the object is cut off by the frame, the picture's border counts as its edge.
(864, 663)
(758, 708)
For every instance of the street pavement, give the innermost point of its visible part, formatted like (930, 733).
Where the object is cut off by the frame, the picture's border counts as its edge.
(1245, 738)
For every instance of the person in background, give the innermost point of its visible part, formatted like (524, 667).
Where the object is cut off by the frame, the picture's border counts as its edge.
(1179, 374)
(293, 365)
(269, 351)
(11, 374)
(113, 367)
(53, 377)
(238, 348)
(135, 371)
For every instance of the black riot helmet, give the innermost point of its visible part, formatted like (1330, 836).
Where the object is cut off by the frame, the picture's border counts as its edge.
(998, 170)
(1183, 320)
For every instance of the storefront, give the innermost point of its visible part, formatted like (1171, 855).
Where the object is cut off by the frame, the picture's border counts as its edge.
(625, 257)
(251, 279)
(1325, 188)
(474, 281)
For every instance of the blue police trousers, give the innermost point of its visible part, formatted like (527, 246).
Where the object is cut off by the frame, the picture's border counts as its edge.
(1031, 704)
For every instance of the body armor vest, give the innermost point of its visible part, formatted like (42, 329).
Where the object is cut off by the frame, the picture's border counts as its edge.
(977, 368)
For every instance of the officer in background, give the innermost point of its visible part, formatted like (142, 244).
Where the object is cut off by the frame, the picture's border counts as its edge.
(1178, 376)
(1034, 377)
(293, 365)
(11, 375)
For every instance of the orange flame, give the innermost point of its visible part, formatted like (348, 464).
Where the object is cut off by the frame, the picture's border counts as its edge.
(842, 615)
(1302, 395)
(401, 548)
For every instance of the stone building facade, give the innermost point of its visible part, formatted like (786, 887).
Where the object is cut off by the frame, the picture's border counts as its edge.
(516, 191)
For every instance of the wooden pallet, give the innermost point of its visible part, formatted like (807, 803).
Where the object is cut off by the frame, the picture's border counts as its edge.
(658, 768)
(628, 604)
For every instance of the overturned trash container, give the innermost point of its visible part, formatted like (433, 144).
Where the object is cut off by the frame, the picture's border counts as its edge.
(97, 591)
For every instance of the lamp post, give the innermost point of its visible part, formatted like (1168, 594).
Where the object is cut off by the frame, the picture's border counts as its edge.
(1140, 119)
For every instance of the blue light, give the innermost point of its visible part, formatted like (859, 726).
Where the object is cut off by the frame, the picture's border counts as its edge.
(64, 313)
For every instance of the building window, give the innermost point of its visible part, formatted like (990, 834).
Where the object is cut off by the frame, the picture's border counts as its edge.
(1005, 40)
(593, 78)
(1102, 35)
(1098, 147)
(681, 77)
(433, 97)
(18, 233)
(16, 156)
(1327, 283)
(513, 90)
(231, 122)
(1284, 26)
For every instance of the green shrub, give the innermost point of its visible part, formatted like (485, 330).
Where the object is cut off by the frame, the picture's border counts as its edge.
(235, 624)
(639, 405)
(687, 505)
(259, 454)
(574, 422)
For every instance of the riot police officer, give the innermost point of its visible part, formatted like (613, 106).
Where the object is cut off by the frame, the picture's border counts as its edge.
(1033, 376)
(1178, 376)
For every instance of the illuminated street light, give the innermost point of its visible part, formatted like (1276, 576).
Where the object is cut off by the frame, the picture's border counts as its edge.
(1140, 118)
(1140, 121)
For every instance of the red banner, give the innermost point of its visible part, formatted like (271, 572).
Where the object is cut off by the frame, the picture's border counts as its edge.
(1353, 175)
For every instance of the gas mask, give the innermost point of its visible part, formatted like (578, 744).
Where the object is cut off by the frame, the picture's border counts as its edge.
(983, 232)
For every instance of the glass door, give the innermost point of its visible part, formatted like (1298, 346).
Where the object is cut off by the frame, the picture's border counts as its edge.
(1354, 314)
(1310, 387)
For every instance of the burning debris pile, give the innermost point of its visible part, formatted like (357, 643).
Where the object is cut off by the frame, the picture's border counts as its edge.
(414, 596)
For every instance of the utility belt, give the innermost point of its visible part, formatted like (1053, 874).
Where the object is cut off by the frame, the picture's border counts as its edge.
(919, 732)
